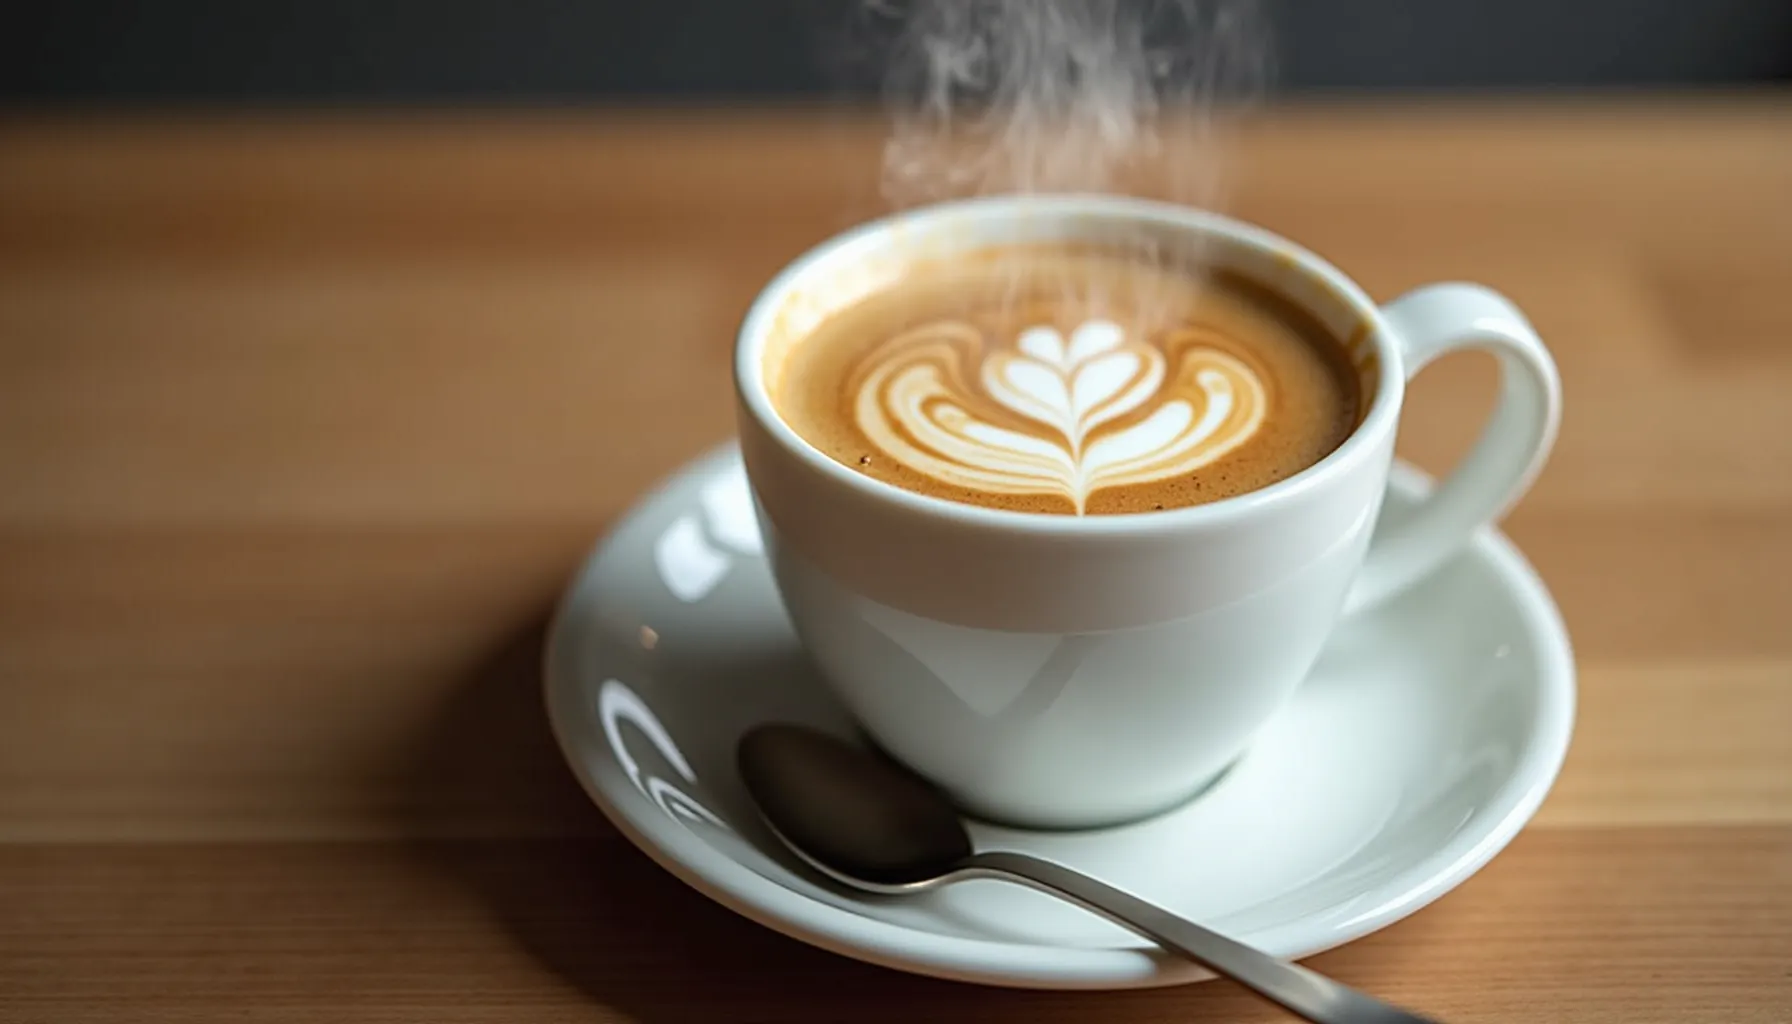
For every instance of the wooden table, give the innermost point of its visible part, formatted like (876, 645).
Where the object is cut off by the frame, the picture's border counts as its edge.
(304, 421)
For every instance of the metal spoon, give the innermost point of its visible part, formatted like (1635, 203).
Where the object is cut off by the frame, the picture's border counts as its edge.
(870, 825)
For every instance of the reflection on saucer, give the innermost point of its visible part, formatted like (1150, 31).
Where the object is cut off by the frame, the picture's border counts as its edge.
(617, 704)
(689, 564)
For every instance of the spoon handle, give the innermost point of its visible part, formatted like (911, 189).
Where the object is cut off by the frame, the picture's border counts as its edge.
(1302, 992)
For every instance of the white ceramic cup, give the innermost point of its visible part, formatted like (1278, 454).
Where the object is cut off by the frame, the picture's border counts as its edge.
(1060, 671)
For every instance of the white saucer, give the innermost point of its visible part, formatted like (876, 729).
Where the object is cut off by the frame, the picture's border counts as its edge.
(1426, 738)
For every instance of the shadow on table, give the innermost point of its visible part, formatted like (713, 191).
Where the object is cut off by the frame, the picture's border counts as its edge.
(597, 913)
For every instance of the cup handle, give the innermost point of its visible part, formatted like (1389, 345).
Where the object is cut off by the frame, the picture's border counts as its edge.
(1429, 322)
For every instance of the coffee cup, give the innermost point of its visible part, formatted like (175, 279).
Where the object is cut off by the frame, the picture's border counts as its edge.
(1079, 670)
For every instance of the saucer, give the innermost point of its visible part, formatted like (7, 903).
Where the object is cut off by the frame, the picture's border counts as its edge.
(1423, 741)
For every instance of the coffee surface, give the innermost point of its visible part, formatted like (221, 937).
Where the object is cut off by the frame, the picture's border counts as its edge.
(1068, 380)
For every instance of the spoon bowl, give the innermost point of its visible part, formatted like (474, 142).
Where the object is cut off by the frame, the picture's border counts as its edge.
(850, 814)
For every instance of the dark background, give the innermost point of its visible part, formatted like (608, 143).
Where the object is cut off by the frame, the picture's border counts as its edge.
(456, 52)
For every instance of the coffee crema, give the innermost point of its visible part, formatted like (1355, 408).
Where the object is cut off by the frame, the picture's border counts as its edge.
(1070, 380)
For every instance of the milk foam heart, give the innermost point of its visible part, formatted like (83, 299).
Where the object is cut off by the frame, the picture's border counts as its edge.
(1046, 414)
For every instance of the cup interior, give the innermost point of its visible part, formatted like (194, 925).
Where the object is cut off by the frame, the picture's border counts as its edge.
(878, 255)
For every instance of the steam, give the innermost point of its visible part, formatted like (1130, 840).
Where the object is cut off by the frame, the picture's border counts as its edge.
(1002, 96)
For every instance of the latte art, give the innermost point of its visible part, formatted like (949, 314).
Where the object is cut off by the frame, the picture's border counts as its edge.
(1054, 415)
(1066, 380)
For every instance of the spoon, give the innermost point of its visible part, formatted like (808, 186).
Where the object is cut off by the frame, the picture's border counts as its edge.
(870, 825)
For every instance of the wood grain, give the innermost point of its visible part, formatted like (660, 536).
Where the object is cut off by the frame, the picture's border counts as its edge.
(304, 420)
(1634, 924)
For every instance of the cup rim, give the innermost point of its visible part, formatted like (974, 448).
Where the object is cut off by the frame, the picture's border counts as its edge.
(757, 324)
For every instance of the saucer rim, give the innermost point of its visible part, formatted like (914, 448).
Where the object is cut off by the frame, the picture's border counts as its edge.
(761, 899)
